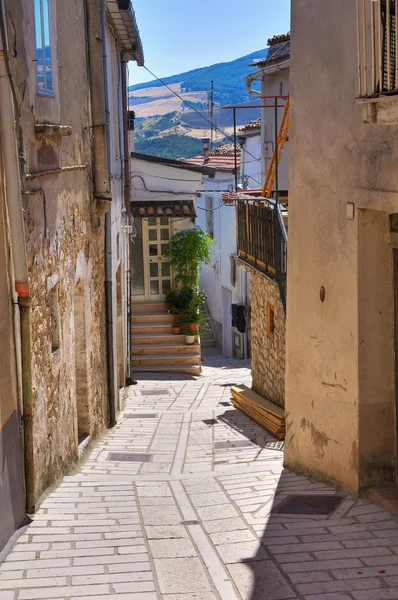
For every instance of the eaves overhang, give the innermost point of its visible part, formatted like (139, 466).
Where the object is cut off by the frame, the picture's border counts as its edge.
(122, 16)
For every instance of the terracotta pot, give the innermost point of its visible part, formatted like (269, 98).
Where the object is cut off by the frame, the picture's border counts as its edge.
(175, 318)
(176, 329)
(193, 327)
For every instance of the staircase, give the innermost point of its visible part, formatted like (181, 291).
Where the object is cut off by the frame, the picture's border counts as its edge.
(206, 334)
(154, 347)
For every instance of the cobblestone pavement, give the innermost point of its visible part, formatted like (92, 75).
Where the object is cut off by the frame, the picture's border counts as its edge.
(179, 502)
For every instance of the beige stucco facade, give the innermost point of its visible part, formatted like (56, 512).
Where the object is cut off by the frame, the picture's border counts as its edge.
(340, 366)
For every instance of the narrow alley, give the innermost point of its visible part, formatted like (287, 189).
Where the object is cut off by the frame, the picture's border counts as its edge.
(180, 502)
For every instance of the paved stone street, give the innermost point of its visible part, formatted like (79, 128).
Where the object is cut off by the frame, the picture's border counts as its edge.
(178, 503)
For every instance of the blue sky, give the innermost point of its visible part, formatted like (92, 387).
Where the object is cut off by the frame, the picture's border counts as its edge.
(180, 35)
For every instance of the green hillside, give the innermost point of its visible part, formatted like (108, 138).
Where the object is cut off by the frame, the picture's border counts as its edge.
(169, 146)
(228, 77)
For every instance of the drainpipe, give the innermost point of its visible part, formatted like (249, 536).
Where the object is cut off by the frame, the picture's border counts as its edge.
(127, 191)
(99, 126)
(108, 239)
(18, 249)
(24, 307)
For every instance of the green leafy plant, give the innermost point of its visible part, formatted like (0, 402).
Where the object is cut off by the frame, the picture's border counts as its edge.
(199, 298)
(190, 315)
(171, 299)
(187, 252)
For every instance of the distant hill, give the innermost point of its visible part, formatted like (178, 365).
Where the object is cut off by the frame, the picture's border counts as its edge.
(228, 77)
(170, 146)
(166, 125)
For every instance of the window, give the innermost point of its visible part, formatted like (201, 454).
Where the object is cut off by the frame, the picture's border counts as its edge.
(271, 320)
(43, 47)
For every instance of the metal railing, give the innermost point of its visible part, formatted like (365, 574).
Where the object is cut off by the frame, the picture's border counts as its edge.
(377, 24)
(262, 239)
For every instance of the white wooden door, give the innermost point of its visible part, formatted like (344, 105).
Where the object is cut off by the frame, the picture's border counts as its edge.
(157, 270)
(151, 275)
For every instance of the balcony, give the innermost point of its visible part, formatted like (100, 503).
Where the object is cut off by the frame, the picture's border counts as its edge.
(377, 24)
(262, 239)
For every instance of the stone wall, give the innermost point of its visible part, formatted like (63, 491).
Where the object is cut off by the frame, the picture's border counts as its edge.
(268, 351)
(65, 244)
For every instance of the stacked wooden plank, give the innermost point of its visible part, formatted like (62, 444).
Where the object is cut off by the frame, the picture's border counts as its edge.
(262, 411)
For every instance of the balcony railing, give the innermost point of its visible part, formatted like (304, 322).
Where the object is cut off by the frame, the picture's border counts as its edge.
(262, 239)
(377, 24)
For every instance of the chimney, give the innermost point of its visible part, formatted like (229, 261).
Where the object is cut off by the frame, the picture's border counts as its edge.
(205, 153)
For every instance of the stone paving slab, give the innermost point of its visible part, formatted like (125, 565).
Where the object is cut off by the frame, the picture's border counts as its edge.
(197, 522)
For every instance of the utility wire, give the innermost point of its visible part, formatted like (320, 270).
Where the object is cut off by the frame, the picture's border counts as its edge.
(198, 112)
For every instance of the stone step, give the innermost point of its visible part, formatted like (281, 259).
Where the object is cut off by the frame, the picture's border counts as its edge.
(141, 329)
(156, 338)
(151, 318)
(166, 360)
(208, 344)
(161, 349)
(194, 370)
(160, 308)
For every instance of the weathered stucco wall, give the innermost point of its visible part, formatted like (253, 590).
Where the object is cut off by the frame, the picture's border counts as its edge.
(340, 370)
(65, 245)
(268, 351)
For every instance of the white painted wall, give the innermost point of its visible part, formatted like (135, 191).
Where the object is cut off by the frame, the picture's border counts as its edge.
(250, 165)
(272, 85)
(166, 182)
(218, 276)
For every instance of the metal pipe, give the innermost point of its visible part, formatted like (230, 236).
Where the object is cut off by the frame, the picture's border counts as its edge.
(388, 33)
(127, 199)
(11, 165)
(99, 125)
(359, 51)
(276, 153)
(396, 49)
(235, 155)
(26, 356)
(364, 48)
(373, 34)
(380, 51)
(108, 240)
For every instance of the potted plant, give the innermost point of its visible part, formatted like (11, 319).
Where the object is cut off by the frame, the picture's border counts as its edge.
(176, 325)
(170, 300)
(190, 318)
(190, 337)
(188, 252)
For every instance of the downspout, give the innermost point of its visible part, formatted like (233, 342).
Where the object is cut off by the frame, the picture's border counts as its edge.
(99, 125)
(101, 159)
(127, 199)
(17, 231)
(108, 239)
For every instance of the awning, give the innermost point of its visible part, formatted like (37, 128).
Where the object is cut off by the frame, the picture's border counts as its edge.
(184, 209)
